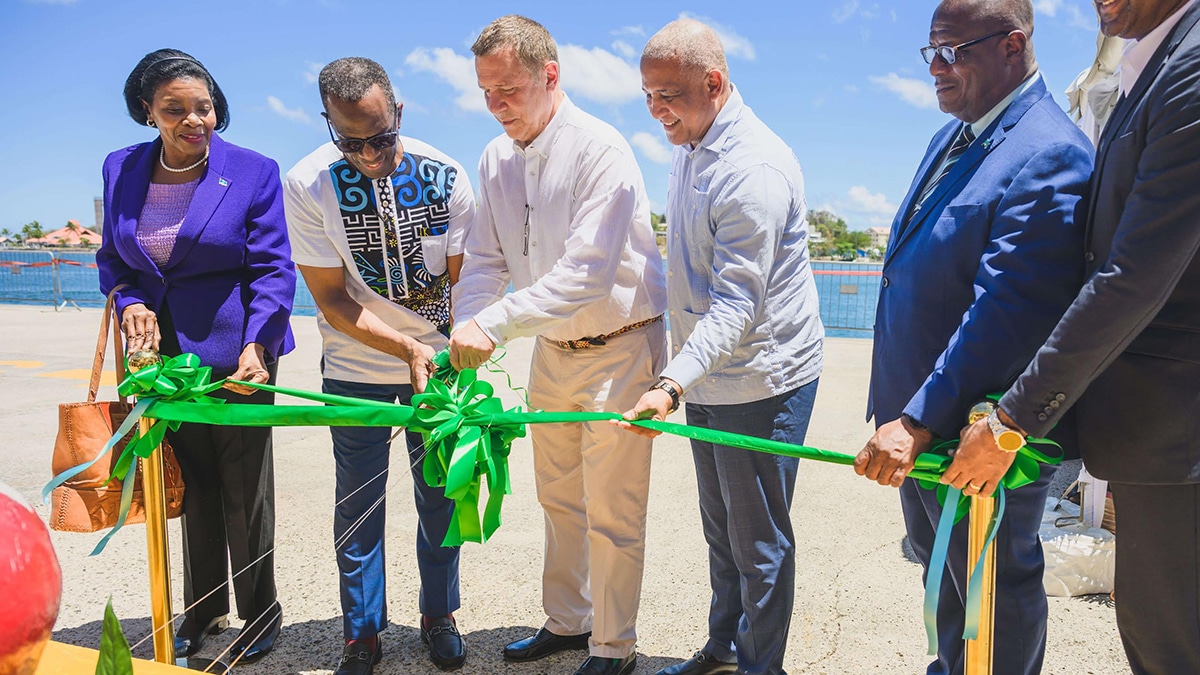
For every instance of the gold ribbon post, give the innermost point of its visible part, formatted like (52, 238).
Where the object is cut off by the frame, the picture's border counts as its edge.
(156, 552)
(157, 557)
(979, 651)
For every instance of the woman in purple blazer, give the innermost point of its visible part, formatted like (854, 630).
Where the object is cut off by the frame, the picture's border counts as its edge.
(195, 227)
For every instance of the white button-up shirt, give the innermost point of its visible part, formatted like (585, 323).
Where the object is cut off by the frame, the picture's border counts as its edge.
(567, 221)
(745, 319)
(1138, 53)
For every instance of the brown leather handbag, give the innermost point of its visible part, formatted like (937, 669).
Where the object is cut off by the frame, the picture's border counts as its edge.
(85, 503)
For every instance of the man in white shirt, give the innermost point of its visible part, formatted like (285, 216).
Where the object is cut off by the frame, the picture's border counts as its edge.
(377, 223)
(564, 216)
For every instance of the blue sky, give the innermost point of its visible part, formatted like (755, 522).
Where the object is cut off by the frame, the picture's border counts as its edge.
(841, 81)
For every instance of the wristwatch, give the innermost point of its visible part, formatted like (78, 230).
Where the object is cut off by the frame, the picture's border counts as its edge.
(671, 390)
(1007, 438)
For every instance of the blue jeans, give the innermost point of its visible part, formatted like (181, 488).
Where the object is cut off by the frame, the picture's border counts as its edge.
(361, 455)
(745, 499)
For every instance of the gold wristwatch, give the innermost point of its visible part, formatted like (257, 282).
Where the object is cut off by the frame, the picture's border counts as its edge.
(1007, 438)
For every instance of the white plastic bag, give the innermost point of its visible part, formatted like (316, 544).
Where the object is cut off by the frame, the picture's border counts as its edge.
(1080, 560)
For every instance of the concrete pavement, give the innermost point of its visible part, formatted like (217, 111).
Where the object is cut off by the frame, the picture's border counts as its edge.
(858, 598)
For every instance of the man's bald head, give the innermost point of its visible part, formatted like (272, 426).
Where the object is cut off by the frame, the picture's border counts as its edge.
(690, 44)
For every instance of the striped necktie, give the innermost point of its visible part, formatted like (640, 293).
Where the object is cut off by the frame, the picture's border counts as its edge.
(960, 145)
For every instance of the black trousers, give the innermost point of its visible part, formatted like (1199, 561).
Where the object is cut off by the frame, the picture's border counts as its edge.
(228, 506)
(1158, 576)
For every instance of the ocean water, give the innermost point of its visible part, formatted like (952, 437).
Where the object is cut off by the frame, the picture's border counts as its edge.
(847, 291)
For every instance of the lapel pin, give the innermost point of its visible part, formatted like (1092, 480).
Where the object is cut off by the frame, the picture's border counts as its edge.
(987, 145)
(224, 183)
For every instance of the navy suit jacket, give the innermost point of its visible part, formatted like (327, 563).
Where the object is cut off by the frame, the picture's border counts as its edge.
(1128, 349)
(974, 283)
(230, 279)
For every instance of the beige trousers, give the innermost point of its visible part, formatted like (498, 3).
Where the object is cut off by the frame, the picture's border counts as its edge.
(593, 481)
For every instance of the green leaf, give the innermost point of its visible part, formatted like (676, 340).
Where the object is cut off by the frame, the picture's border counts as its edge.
(115, 658)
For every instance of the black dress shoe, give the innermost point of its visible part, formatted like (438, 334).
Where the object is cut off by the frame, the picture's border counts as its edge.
(599, 665)
(192, 632)
(700, 664)
(446, 647)
(359, 657)
(542, 644)
(258, 637)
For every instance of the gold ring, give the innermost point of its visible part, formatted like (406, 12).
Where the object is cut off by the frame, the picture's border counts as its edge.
(974, 487)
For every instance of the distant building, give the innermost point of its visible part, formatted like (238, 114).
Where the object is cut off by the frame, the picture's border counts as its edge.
(99, 204)
(816, 237)
(879, 237)
(71, 235)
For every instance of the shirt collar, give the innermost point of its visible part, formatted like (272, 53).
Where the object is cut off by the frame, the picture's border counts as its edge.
(726, 116)
(1138, 54)
(541, 145)
(980, 125)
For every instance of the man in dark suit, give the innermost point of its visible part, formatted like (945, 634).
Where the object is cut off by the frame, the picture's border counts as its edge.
(1127, 352)
(982, 261)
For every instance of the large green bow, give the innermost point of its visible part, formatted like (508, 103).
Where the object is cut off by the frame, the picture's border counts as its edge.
(459, 454)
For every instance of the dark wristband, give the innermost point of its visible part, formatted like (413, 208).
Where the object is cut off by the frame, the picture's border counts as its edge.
(671, 391)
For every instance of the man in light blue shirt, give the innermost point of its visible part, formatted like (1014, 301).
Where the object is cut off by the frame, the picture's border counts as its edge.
(747, 337)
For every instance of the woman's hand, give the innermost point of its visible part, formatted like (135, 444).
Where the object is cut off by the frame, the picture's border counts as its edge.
(140, 327)
(251, 368)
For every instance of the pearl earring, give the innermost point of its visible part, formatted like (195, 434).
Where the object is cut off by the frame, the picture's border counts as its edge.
(149, 122)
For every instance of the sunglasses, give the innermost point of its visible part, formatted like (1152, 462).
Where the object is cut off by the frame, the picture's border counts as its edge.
(949, 53)
(383, 141)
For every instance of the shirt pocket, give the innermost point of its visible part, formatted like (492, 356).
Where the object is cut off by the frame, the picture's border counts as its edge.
(433, 252)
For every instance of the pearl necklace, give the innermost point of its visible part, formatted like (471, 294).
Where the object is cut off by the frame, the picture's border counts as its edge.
(162, 160)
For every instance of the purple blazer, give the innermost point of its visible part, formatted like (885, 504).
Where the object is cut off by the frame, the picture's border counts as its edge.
(230, 279)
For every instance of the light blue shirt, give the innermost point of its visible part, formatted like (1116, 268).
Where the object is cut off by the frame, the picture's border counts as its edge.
(745, 323)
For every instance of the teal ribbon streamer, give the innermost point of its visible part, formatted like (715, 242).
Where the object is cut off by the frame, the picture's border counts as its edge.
(937, 566)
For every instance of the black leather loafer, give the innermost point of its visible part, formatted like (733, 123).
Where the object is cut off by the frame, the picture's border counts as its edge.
(447, 649)
(191, 634)
(360, 657)
(542, 644)
(258, 637)
(600, 665)
(700, 664)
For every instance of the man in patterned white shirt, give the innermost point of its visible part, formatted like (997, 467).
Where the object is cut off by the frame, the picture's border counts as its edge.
(377, 223)
(564, 216)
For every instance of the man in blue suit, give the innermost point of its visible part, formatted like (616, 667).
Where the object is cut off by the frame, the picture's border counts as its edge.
(984, 257)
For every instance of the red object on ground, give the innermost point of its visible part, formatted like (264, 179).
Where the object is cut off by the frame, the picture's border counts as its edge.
(30, 585)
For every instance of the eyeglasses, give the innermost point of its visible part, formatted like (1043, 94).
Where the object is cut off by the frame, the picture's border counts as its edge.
(949, 53)
(352, 146)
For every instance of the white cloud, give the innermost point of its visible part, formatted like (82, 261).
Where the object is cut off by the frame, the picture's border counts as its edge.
(624, 49)
(455, 69)
(652, 147)
(293, 114)
(312, 72)
(845, 11)
(599, 75)
(1047, 7)
(734, 44)
(873, 203)
(1081, 19)
(630, 30)
(915, 92)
